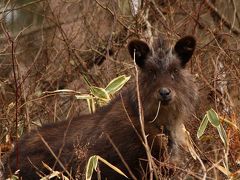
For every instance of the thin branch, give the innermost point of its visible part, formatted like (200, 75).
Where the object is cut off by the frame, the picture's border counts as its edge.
(53, 154)
(121, 157)
(230, 26)
(141, 120)
(20, 7)
(12, 43)
(113, 14)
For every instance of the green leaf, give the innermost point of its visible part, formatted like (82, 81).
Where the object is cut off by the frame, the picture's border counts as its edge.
(222, 134)
(202, 127)
(116, 84)
(112, 166)
(13, 177)
(213, 118)
(100, 93)
(91, 165)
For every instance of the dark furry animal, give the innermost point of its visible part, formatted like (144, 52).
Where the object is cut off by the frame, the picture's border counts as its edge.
(162, 78)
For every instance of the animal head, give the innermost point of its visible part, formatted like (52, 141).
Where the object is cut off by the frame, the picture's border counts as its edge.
(162, 73)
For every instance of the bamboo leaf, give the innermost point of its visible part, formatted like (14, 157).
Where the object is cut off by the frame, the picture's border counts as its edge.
(100, 93)
(202, 127)
(91, 165)
(222, 134)
(116, 84)
(13, 177)
(213, 117)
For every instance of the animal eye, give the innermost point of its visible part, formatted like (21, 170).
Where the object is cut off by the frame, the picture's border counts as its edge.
(153, 74)
(175, 71)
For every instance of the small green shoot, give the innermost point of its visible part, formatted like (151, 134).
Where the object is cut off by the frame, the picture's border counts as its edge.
(212, 117)
(15, 176)
(101, 96)
(222, 134)
(91, 165)
(202, 127)
(116, 84)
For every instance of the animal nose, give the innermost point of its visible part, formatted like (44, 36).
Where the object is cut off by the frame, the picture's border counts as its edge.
(165, 94)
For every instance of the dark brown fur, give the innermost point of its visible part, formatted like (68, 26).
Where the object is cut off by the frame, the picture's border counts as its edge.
(88, 135)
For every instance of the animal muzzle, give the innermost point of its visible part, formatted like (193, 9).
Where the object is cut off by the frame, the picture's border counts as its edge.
(165, 95)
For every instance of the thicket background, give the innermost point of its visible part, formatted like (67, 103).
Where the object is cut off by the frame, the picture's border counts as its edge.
(48, 45)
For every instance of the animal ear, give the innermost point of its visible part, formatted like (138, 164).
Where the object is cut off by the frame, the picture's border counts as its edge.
(141, 50)
(185, 48)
